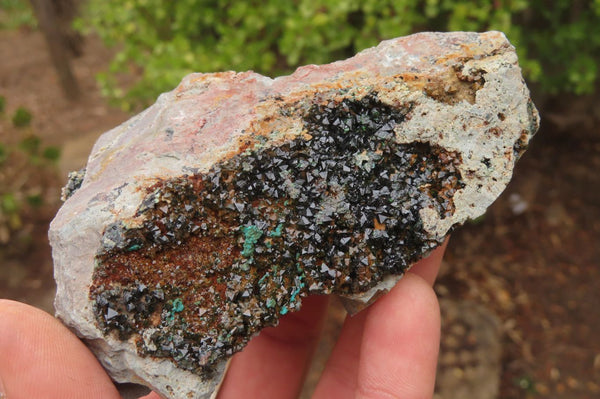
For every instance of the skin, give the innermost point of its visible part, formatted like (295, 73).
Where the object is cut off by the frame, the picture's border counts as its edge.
(388, 350)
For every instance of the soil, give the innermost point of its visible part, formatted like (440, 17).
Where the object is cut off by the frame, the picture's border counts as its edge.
(532, 260)
(28, 80)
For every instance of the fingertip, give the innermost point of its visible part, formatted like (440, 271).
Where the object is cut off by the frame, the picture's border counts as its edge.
(411, 304)
(152, 395)
(339, 377)
(429, 267)
(401, 342)
(42, 358)
(274, 363)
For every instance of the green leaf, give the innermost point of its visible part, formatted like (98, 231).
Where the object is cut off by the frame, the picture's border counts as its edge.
(158, 41)
(4, 153)
(15, 14)
(30, 144)
(9, 203)
(51, 153)
(22, 117)
(35, 200)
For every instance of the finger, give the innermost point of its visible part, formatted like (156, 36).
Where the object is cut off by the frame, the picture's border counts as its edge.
(152, 395)
(339, 378)
(274, 363)
(400, 343)
(429, 267)
(41, 358)
(340, 374)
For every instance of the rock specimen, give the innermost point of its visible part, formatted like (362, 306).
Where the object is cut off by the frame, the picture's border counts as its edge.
(215, 211)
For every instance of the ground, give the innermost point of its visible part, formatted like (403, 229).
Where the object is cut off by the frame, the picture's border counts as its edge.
(531, 263)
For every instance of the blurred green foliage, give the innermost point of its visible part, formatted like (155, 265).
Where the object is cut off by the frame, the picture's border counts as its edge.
(21, 117)
(163, 40)
(3, 154)
(16, 14)
(51, 153)
(27, 172)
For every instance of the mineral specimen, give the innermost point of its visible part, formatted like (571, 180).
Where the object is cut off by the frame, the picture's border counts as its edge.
(215, 211)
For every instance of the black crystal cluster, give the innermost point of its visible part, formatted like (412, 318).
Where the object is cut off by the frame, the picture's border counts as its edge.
(128, 307)
(334, 211)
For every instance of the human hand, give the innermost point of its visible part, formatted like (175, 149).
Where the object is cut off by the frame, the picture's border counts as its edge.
(388, 350)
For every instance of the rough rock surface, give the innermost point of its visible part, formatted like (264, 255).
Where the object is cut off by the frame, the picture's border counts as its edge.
(215, 211)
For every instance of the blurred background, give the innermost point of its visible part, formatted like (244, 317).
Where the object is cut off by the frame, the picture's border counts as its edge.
(520, 286)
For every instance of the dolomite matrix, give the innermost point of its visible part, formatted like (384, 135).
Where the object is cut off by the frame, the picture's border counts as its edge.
(218, 209)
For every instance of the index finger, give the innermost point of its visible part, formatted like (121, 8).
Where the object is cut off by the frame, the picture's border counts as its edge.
(429, 267)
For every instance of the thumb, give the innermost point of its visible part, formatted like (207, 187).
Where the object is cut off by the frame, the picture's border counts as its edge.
(41, 358)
